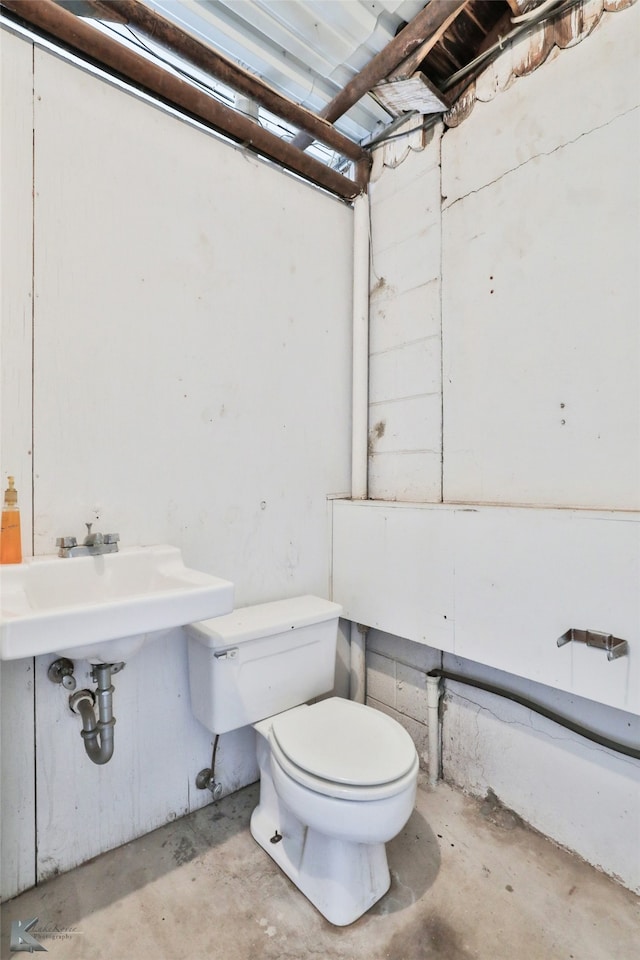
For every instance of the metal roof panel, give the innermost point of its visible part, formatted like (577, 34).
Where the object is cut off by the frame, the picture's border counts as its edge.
(306, 49)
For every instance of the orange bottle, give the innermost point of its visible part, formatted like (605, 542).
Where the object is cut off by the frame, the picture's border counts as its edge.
(10, 541)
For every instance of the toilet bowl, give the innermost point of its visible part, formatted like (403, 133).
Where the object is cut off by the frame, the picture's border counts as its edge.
(337, 778)
(332, 831)
(345, 767)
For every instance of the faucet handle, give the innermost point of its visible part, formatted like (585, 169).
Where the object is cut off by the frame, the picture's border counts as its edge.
(111, 537)
(92, 539)
(66, 542)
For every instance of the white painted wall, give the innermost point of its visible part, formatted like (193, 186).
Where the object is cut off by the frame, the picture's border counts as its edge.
(17, 776)
(222, 423)
(584, 796)
(579, 793)
(538, 211)
(499, 586)
(541, 342)
(191, 385)
(405, 428)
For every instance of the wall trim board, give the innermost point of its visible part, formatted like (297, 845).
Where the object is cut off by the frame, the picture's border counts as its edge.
(498, 586)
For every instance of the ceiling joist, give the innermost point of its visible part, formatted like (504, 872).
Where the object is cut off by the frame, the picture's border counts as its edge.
(412, 73)
(410, 64)
(161, 30)
(81, 37)
(414, 35)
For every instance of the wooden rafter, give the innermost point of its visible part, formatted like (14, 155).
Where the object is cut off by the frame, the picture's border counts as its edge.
(65, 27)
(410, 64)
(163, 31)
(414, 34)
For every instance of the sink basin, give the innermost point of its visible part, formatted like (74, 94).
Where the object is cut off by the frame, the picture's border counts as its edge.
(102, 608)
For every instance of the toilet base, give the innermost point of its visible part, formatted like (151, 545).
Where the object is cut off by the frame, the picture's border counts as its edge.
(342, 879)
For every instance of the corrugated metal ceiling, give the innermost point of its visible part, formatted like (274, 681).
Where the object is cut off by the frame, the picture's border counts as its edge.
(306, 49)
(321, 55)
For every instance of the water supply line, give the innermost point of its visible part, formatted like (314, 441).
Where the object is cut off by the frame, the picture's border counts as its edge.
(97, 734)
(360, 411)
(206, 778)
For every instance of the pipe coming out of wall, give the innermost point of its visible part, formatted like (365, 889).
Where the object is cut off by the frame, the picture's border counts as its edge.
(433, 728)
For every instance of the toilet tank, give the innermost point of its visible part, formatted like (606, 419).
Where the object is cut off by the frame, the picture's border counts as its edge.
(261, 660)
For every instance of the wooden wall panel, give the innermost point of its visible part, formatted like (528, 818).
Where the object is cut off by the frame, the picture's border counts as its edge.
(17, 777)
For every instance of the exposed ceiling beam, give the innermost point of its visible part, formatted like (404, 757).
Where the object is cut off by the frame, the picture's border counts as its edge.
(103, 10)
(414, 34)
(500, 30)
(408, 66)
(65, 27)
(504, 31)
(163, 31)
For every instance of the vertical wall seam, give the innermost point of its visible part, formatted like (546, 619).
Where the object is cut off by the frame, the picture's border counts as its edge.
(441, 329)
(330, 520)
(33, 456)
(33, 283)
(371, 269)
(441, 718)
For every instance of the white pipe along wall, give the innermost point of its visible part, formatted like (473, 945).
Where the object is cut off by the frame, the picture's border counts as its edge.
(360, 414)
(433, 728)
(360, 388)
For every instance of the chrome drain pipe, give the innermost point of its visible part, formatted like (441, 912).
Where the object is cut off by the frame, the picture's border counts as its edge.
(97, 734)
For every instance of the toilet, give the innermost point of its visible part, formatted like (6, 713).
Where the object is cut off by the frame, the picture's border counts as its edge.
(337, 778)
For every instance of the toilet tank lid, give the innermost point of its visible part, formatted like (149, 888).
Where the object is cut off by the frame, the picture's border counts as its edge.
(263, 620)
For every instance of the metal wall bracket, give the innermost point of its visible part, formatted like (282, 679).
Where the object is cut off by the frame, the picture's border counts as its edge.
(593, 638)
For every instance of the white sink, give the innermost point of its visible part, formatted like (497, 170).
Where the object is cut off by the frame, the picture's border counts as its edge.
(102, 608)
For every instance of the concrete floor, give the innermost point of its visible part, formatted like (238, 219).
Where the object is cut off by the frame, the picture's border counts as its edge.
(469, 881)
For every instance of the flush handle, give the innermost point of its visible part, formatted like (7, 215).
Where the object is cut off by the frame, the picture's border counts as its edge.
(231, 654)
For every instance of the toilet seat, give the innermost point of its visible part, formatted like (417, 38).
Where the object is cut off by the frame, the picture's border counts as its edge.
(344, 749)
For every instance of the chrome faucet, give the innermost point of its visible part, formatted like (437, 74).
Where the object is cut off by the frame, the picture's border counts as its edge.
(94, 544)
